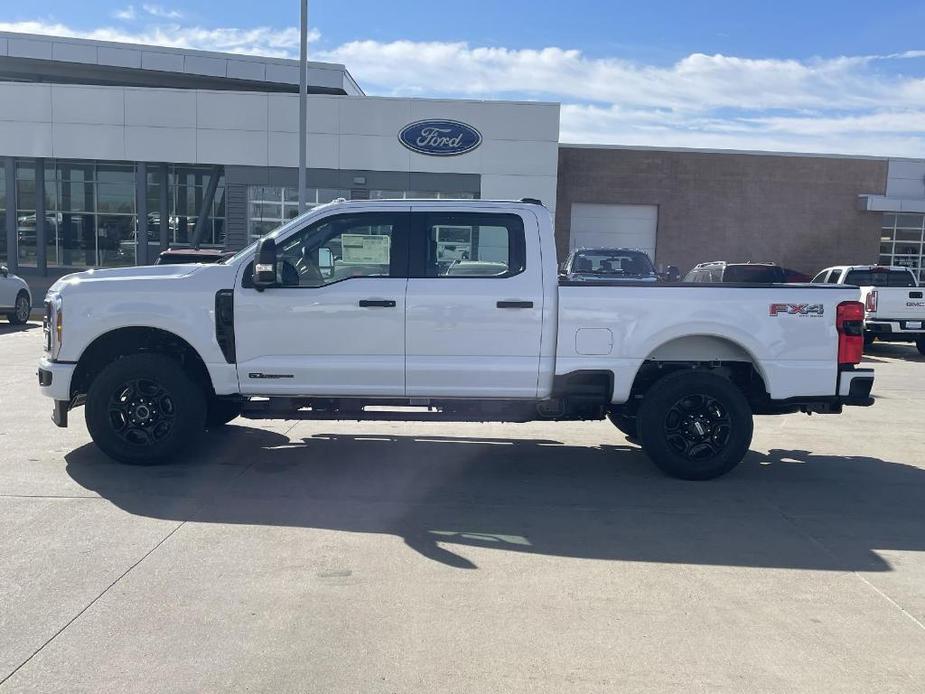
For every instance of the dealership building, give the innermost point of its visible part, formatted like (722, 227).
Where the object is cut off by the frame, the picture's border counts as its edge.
(202, 147)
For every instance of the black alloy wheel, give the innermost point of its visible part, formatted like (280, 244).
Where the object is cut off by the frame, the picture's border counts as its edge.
(141, 412)
(695, 424)
(144, 409)
(698, 427)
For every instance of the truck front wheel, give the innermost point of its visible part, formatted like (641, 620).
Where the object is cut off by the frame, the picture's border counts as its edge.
(219, 412)
(695, 425)
(143, 409)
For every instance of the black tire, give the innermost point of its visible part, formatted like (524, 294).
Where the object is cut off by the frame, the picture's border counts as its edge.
(21, 309)
(628, 426)
(920, 343)
(143, 409)
(695, 425)
(220, 412)
(869, 339)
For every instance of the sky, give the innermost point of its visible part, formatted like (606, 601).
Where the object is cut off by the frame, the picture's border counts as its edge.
(812, 76)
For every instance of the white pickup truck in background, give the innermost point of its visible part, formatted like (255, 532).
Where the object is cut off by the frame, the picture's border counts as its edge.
(894, 303)
(357, 311)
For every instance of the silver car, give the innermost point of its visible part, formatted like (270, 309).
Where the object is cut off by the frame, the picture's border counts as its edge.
(15, 297)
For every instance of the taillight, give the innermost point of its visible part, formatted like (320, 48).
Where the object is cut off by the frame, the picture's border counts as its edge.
(870, 303)
(849, 320)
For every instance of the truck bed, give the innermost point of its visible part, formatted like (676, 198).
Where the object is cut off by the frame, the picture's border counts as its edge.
(619, 325)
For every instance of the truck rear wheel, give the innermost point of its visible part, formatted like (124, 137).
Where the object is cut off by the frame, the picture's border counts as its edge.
(143, 409)
(920, 343)
(695, 425)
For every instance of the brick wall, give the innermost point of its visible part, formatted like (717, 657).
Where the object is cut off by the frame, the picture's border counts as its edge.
(798, 211)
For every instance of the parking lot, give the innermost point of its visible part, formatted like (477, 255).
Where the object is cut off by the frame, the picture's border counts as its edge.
(378, 557)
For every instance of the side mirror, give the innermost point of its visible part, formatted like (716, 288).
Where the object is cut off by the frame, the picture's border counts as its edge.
(4, 271)
(265, 264)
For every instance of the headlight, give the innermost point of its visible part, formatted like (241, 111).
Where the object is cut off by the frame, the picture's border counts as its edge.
(59, 327)
(53, 325)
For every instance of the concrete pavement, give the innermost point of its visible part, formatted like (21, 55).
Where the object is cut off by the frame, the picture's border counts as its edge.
(345, 557)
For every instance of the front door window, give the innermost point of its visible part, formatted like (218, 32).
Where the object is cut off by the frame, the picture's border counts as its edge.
(340, 248)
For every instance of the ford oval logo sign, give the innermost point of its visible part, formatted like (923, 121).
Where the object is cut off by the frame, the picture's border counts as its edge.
(440, 138)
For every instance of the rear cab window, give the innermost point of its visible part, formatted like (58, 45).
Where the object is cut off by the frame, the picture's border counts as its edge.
(613, 263)
(880, 278)
(756, 274)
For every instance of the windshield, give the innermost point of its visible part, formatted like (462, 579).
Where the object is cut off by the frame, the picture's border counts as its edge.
(613, 263)
(283, 228)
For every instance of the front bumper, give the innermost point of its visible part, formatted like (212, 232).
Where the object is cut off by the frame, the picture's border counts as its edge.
(55, 383)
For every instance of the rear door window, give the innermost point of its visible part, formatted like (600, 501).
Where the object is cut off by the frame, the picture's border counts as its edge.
(469, 244)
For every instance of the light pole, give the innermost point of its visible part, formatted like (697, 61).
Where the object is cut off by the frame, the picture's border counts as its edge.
(303, 105)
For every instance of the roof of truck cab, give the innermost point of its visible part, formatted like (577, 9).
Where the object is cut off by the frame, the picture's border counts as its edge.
(594, 249)
(891, 268)
(447, 202)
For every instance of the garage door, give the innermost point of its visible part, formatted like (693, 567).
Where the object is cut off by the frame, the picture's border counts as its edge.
(614, 226)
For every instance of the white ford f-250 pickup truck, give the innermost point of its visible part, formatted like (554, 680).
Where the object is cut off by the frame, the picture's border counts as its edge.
(894, 303)
(364, 310)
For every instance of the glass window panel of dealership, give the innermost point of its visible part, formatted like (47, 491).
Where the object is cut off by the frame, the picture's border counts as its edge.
(3, 256)
(90, 211)
(270, 206)
(901, 241)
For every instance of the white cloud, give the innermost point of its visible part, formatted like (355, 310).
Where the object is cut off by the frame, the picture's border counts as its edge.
(900, 134)
(266, 41)
(126, 14)
(696, 82)
(162, 12)
(850, 104)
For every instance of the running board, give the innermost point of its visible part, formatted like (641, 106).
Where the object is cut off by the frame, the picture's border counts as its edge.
(272, 410)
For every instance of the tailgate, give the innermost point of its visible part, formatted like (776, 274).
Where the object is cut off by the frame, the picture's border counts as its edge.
(906, 303)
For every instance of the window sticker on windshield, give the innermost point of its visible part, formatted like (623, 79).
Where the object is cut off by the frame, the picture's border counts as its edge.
(360, 249)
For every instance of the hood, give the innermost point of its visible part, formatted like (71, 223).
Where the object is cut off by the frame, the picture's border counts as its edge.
(145, 272)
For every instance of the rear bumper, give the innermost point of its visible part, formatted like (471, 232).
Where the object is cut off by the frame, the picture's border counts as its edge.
(896, 327)
(854, 387)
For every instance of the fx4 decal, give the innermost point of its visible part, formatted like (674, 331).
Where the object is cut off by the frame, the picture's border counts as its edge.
(797, 309)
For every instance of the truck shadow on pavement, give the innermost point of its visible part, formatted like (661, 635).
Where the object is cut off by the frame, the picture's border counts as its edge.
(446, 495)
(6, 327)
